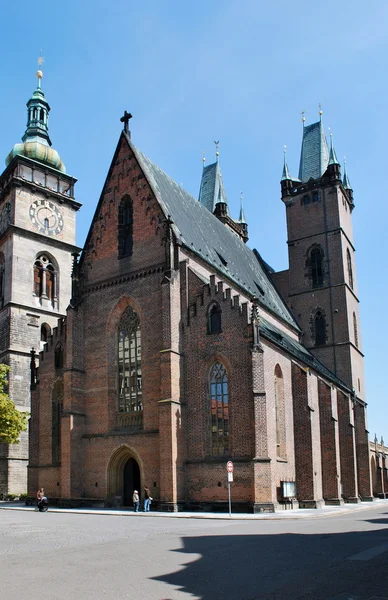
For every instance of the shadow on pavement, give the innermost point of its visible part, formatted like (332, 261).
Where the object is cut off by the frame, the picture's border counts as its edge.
(284, 567)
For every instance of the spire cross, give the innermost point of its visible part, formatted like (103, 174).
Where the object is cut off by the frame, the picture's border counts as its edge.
(125, 119)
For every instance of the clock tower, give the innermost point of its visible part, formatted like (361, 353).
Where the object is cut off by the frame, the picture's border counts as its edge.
(37, 240)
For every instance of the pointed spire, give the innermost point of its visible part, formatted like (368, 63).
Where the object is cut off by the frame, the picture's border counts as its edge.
(314, 156)
(333, 160)
(211, 191)
(345, 181)
(286, 173)
(242, 218)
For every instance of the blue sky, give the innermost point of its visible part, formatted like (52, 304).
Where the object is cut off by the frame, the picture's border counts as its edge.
(236, 71)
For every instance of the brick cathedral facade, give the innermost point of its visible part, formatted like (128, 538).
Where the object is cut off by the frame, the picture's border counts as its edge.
(181, 349)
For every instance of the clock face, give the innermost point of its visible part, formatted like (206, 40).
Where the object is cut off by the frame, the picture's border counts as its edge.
(46, 217)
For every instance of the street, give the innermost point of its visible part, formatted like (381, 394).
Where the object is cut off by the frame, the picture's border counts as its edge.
(82, 556)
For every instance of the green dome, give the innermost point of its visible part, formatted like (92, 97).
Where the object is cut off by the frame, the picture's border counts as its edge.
(37, 151)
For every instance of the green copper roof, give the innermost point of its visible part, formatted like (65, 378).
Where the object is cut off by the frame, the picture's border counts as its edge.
(242, 218)
(345, 182)
(36, 141)
(212, 189)
(286, 173)
(333, 160)
(314, 156)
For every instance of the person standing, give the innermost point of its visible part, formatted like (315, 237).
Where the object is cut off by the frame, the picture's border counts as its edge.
(135, 500)
(147, 499)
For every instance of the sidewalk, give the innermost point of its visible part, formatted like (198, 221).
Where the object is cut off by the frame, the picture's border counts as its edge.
(299, 513)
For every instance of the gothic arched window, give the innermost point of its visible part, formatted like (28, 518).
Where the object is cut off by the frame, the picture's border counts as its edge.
(219, 407)
(316, 261)
(350, 269)
(56, 411)
(279, 413)
(319, 328)
(125, 229)
(46, 281)
(355, 329)
(214, 319)
(45, 332)
(129, 362)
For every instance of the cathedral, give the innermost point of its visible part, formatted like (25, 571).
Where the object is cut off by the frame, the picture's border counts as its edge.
(166, 346)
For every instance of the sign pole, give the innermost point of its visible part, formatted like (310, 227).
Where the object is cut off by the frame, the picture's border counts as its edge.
(229, 470)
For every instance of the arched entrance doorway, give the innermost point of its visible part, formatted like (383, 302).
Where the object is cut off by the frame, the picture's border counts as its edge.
(124, 475)
(131, 480)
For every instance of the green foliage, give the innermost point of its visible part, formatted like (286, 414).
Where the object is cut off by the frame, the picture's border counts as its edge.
(12, 421)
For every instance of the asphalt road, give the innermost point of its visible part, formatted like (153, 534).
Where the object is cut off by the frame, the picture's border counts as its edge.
(61, 556)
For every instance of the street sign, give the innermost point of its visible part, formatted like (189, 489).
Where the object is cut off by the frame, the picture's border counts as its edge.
(230, 477)
(229, 466)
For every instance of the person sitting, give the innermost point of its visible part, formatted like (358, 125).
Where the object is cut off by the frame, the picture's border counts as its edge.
(41, 499)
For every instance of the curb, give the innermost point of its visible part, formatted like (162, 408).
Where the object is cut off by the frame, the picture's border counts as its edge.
(291, 515)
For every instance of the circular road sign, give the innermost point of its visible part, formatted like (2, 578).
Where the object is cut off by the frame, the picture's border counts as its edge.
(229, 466)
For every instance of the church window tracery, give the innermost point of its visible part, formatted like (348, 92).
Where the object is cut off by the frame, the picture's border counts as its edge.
(125, 229)
(219, 406)
(46, 280)
(129, 363)
(350, 268)
(214, 318)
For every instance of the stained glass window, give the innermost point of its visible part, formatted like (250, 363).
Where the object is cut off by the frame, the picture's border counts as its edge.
(129, 362)
(219, 402)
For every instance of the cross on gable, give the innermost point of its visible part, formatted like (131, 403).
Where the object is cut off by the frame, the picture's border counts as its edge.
(125, 119)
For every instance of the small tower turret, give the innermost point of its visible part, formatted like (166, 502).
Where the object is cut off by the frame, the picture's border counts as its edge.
(36, 140)
(347, 185)
(333, 168)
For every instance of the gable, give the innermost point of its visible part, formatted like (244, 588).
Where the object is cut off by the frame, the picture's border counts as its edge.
(125, 180)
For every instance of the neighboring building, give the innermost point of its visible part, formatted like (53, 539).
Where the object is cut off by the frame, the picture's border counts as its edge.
(37, 236)
(178, 352)
(379, 467)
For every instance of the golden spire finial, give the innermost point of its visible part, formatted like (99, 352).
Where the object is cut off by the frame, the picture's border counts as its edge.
(217, 151)
(320, 111)
(303, 113)
(39, 72)
(203, 157)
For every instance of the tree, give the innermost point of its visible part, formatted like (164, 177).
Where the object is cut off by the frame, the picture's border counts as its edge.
(12, 421)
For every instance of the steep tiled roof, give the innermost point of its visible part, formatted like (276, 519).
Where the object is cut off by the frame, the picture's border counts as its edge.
(314, 156)
(200, 231)
(297, 350)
